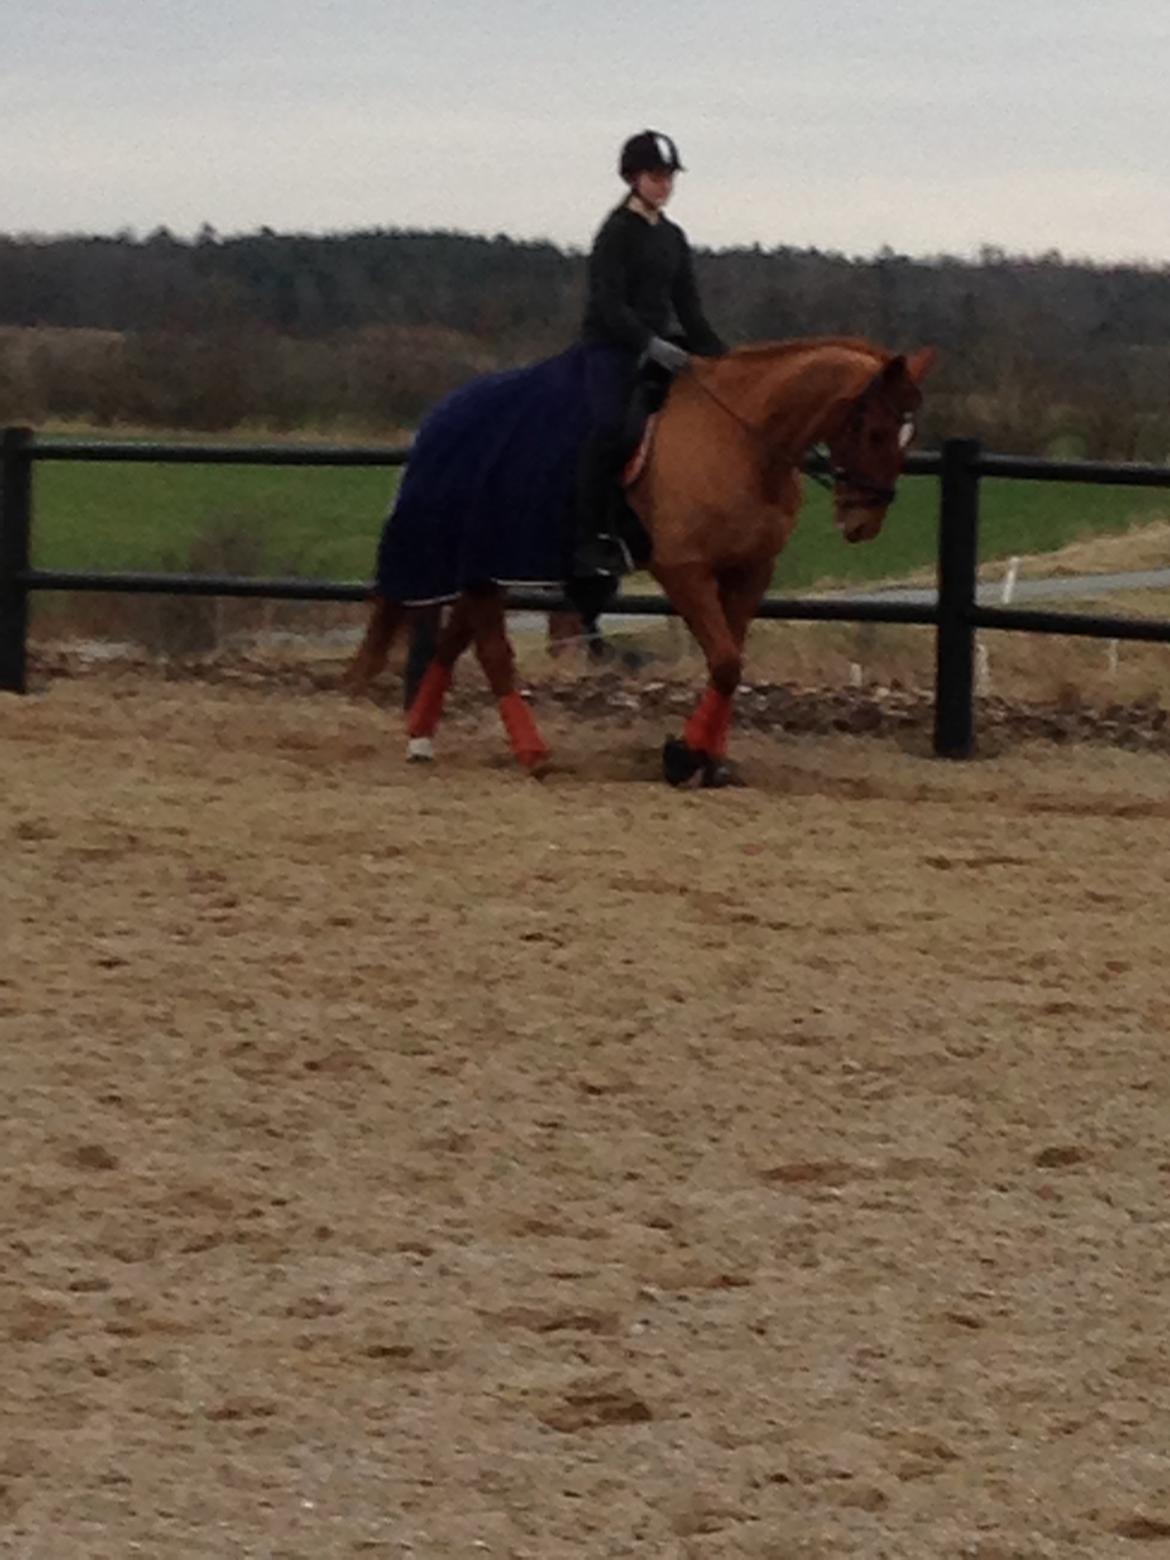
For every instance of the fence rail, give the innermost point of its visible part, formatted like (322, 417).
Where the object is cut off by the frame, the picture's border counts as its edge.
(956, 615)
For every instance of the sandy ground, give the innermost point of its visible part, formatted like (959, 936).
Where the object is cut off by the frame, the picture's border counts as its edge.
(439, 1163)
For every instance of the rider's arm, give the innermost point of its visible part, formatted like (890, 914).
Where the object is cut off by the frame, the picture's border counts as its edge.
(699, 336)
(608, 265)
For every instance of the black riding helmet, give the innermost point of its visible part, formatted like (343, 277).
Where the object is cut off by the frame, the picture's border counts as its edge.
(649, 152)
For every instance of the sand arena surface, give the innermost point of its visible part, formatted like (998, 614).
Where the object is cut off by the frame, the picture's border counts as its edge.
(437, 1163)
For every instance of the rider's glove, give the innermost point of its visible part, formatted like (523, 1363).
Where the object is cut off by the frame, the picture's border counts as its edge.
(667, 355)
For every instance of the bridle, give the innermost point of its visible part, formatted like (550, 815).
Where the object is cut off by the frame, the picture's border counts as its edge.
(824, 471)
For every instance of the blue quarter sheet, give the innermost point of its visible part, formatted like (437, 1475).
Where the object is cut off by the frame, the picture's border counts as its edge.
(488, 491)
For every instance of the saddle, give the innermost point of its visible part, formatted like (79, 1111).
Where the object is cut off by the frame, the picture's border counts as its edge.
(650, 392)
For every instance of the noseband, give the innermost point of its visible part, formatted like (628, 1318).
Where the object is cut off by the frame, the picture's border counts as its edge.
(835, 477)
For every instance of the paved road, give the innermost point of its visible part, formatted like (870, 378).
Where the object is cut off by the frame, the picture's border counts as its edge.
(991, 592)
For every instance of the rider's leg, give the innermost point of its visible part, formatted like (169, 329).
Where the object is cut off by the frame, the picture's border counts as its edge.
(651, 387)
(609, 381)
(647, 396)
(596, 547)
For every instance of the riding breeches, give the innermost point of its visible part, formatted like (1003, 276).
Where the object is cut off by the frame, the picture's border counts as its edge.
(621, 395)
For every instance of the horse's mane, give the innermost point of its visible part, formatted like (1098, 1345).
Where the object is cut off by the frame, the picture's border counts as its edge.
(775, 349)
(751, 381)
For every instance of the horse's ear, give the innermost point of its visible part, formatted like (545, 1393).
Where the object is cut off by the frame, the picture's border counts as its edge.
(913, 366)
(920, 363)
(903, 375)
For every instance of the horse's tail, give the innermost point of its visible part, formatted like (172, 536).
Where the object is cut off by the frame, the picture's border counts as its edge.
(370, 656)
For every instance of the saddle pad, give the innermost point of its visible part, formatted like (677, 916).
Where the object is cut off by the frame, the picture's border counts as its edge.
(636, 464)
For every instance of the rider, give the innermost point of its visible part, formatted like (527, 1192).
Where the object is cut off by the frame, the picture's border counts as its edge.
(643, 320)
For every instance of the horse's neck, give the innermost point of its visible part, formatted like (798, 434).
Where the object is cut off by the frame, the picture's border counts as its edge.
(806, 403)
(794, 395)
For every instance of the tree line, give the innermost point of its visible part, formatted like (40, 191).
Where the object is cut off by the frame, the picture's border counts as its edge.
(365, 330)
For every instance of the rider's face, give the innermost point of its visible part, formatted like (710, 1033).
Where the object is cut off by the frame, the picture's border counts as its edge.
(654, 188)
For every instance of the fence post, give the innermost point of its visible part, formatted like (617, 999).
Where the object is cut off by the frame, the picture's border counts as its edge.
(15, 527)
(958, 553)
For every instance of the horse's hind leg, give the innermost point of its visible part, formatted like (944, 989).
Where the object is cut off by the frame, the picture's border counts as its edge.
(425, 624)
(426, 709)
(370, 657)
(494, 650)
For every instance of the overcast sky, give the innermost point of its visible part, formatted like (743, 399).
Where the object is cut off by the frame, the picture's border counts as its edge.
(927, 125)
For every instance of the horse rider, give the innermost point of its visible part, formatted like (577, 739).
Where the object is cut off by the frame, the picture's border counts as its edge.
(643, 320)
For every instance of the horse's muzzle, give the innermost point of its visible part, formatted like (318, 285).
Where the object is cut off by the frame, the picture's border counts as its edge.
(859, 524)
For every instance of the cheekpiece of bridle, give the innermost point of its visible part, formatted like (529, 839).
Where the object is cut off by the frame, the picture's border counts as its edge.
(831, 475)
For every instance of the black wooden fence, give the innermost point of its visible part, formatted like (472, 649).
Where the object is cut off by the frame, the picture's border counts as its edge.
(956, 616)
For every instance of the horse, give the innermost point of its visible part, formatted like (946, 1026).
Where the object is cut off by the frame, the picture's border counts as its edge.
(566, 627)
(717, 492)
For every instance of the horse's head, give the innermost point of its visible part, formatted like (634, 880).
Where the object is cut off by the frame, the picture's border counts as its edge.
(868, 441)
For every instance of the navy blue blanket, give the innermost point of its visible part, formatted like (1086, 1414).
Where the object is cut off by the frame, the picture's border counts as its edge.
(487, 493)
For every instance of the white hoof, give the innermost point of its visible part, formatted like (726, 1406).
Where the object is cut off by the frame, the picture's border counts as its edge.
(420, 750)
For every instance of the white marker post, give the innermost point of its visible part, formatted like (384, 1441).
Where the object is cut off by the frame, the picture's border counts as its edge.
(983, 659)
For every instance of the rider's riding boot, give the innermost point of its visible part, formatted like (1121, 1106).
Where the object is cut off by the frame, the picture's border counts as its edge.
(598, 548)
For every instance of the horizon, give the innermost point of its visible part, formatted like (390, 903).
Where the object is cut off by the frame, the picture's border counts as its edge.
(984, 254)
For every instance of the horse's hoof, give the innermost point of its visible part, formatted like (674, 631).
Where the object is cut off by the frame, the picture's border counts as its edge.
(420, 750)
(679, 762)
(637, 660)
(717, 773)
(536, 763)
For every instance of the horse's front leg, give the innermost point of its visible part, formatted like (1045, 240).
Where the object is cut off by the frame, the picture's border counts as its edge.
(696, 594)
(494, 650)
(740, 593)
(718, 610)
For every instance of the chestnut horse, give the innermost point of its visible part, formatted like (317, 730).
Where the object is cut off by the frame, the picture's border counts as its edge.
(718, 496)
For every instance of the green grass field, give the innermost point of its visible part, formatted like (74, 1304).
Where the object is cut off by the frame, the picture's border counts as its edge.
(324, 523)
(1015, 518)
(318, 522)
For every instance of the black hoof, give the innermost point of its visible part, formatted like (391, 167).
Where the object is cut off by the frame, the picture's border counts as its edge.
(679, 762)
(635, 660)
(717, 773)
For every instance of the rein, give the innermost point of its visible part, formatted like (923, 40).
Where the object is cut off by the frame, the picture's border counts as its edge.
(830, 479)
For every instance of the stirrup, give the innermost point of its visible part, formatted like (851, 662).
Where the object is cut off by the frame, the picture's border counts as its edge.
(604, 554)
